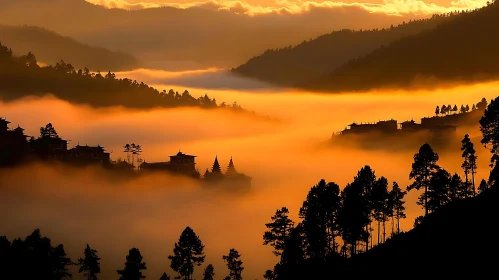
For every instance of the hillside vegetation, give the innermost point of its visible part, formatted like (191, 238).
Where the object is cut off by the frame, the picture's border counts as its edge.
(460, 50)
(51, 48)
(292, 66)
(21, 76)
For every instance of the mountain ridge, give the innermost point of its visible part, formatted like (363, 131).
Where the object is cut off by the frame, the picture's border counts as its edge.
(52, 47)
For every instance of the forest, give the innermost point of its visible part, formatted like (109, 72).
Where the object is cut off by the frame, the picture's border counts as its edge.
(51, 47)
(335, 235)
(21, 76)
(460, 50)
(294, 65)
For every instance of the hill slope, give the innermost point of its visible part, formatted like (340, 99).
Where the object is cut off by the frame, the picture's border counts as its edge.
(311, 59)
(460, 50)
(171, 38)
(51, 48)
(457, 239)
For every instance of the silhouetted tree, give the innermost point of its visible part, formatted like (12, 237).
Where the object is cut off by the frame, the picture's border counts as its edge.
(353, 215)
(234, 264)
(467, 109)
(294, 251)
(366, 177)
(397, 196)
(133, 266)
(489, 126)
(379, 198)
(89, 264)
(483, 186)
(437, 111)
(279, 230)
(48, 131)
(423, 167)
(319, 213)
(33, 258)
(438, 190)
(454, 109)
(418, 220)
(164, 277)
(469, 163)
(187, 253)
(209, 272)
(443, 111)
(269, 275)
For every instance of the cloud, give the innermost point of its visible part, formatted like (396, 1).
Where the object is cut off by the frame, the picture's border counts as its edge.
(82, 206)
(392, 7)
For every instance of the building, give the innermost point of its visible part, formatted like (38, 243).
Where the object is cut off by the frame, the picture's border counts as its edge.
(381, 126)
(87, 155)
(179, 164)
(231, 178)
(13, 144)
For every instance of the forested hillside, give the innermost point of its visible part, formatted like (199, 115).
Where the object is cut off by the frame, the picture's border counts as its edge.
(51, 48)
(291, 66)
(22, 76)
(460, 50)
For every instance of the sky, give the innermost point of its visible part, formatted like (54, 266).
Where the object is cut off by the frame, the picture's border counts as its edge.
(284, 159)
(266, 6)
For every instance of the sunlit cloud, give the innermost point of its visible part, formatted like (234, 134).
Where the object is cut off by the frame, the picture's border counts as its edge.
(392, 7)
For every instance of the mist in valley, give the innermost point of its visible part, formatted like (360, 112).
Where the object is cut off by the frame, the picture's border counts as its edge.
(285, 159)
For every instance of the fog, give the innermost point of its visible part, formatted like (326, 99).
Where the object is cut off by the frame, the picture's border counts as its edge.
(285, 159)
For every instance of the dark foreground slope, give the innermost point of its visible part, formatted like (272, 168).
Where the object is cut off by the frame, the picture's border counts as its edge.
(457, 240)
(51, 48)
(291, 66)
(459, 50)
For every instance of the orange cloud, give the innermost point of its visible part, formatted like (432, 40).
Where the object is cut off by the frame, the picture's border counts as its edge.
(391, 7)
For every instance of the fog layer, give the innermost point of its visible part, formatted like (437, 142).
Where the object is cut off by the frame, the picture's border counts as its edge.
(285, 159)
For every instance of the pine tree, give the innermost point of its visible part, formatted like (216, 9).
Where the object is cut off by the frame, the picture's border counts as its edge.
(320, 213)
(483, 186)
(397, 195)
(489, 126)
(469, 163)
(234, 264)
(89, 264)
(164, 277)
(187, 253)
(353, 215)
(209, 272)
(279, 230)
(269, 275)
(438, 190)
(379, 197)
(133, 266)
(366, 178)
(423, 167)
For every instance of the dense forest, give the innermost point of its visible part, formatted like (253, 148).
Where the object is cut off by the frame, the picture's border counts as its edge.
(460, 50)
(291, 66)
(334, 237)
(22, 76)
(51, 48)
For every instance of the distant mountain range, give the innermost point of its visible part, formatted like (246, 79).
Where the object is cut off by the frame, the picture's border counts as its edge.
(452, 48)
(291, 66)
(196, 37)
(465, 49)
(51, 48)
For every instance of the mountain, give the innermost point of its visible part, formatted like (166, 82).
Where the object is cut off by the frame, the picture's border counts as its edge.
(291, 66)
(453, 241)
(171, 38)
(22, 76)
(51, 48)
(461, 50)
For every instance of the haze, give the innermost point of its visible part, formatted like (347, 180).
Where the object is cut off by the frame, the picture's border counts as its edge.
(285, 159)
(193, 35)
